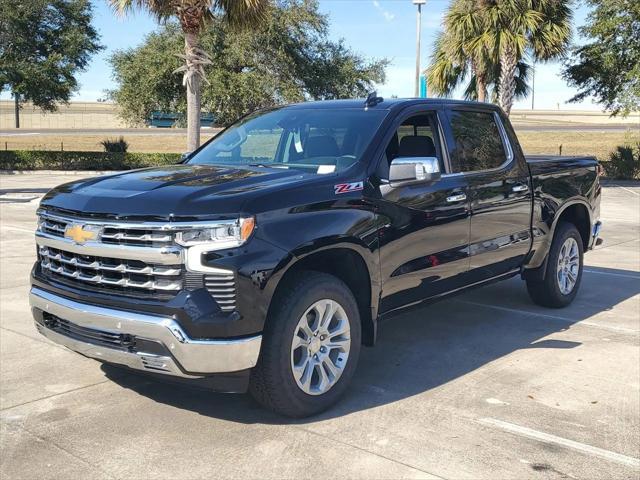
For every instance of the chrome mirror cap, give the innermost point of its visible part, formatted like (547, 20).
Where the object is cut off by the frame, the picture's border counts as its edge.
(414, 170)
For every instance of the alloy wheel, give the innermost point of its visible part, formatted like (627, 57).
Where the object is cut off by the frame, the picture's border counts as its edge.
(320, 347)
(568, 266)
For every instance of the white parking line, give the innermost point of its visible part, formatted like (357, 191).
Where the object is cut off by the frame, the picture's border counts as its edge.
(628, 331)
(623, 275)
(17, 229)
(11, 134)
(625, 189)
(548, 438)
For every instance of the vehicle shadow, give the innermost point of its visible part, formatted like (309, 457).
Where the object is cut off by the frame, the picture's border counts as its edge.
(420, 350)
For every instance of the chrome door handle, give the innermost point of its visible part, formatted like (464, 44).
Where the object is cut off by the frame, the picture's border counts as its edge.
(459, 197)
(520, 188)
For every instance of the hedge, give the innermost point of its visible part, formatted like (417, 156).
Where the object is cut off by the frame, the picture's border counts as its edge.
(52, 160)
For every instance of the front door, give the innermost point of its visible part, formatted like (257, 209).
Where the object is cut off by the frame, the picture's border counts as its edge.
(424, 232)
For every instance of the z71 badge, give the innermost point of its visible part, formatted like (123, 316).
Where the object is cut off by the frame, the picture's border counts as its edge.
(348, 187)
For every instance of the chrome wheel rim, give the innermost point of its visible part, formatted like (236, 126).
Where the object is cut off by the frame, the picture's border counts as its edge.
(320, 347)
(568, 266)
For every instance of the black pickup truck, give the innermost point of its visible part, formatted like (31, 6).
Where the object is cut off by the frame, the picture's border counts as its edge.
(269, 256)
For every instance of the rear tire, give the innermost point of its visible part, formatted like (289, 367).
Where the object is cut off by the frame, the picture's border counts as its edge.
(306, 364)
(563, 270)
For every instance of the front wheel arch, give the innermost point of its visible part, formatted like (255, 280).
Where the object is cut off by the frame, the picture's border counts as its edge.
(351, 268)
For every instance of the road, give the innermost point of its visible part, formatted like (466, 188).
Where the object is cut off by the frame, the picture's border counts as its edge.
(483, 385)
(182, 131)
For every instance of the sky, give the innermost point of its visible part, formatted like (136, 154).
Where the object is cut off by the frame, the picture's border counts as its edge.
(372, 28)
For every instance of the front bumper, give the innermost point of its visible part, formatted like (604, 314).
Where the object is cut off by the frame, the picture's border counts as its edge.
(146, 342)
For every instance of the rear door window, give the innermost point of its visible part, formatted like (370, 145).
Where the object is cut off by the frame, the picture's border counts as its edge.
(478, 143)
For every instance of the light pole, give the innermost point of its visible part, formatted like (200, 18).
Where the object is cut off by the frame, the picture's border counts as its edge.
(533, 86)
(419, 3)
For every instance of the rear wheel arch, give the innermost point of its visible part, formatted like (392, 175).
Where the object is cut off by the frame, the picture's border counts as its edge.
(578, 214)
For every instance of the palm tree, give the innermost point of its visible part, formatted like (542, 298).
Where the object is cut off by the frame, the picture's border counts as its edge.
(540, 29)
(489, 40)
(447, 72)
(194, 16)
(463, 25)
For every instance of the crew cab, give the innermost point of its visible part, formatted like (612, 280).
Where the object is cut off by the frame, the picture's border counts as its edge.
(268, 257)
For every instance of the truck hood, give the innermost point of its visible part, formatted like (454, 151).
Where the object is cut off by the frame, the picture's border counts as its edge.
(180, 191)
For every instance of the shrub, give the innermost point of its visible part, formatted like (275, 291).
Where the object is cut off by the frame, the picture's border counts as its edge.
(54, 160)
(120, 145)
(624, 163)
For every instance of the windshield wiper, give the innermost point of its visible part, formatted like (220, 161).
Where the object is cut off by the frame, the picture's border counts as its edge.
(267, 165)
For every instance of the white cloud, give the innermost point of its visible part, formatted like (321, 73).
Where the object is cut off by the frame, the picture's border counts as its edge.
(388, 16)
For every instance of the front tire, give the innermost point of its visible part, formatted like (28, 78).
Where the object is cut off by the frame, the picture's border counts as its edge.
(563, 271)
(310, 346)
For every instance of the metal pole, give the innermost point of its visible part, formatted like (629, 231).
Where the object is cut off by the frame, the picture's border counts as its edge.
(418, 25)
(533, 87)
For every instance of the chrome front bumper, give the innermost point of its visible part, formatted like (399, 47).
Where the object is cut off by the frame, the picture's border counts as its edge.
(188, 358)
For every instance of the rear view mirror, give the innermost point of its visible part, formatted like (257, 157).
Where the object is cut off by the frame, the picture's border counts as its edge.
(414, 169)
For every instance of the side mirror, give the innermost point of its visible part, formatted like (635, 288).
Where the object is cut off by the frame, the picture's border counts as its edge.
(414, 170)
(185, 156)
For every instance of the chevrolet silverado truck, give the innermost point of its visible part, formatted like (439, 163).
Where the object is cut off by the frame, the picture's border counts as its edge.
(268, 257)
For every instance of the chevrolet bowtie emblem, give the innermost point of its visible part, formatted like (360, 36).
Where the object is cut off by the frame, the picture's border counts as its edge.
(81, 233)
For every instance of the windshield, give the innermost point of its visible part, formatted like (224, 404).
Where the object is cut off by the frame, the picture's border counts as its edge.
(316, 140)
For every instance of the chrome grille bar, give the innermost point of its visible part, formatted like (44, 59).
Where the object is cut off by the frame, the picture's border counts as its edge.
(169, 255)
(132, 237)
(136, 234)
(110, 272)
(60, 256)
(222, 287)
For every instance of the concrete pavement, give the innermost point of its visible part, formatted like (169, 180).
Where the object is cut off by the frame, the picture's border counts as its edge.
(484, 385)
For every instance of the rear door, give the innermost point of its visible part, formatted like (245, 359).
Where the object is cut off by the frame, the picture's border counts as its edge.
(424, 232)
(499, 191)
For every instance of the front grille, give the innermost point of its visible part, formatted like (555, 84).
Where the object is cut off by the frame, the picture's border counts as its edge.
(110, 273)
(111, 234)
(222, 287)
(149, 277)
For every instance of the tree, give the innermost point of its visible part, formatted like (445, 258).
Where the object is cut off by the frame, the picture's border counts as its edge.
(609, 67)
(458, 50)
(449, 70)
(287, 58)
(193, 16)
(540, 29)
(43, 44)
(482, 36)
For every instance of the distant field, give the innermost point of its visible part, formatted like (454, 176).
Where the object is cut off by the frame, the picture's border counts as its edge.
(547, 142)
(599, 144)
(170, 143)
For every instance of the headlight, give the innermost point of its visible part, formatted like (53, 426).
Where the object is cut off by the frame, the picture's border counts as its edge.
(220, 235)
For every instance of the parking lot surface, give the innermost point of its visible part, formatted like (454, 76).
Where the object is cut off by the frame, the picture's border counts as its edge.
(483, 385)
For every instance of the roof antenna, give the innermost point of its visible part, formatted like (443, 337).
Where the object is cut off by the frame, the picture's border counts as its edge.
(372, 100)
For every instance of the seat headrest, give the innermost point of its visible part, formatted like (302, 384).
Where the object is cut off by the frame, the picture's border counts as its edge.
(321, 146)
(414, 146)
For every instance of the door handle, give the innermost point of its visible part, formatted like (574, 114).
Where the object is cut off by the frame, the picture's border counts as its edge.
(459, 197)
(520, 188)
